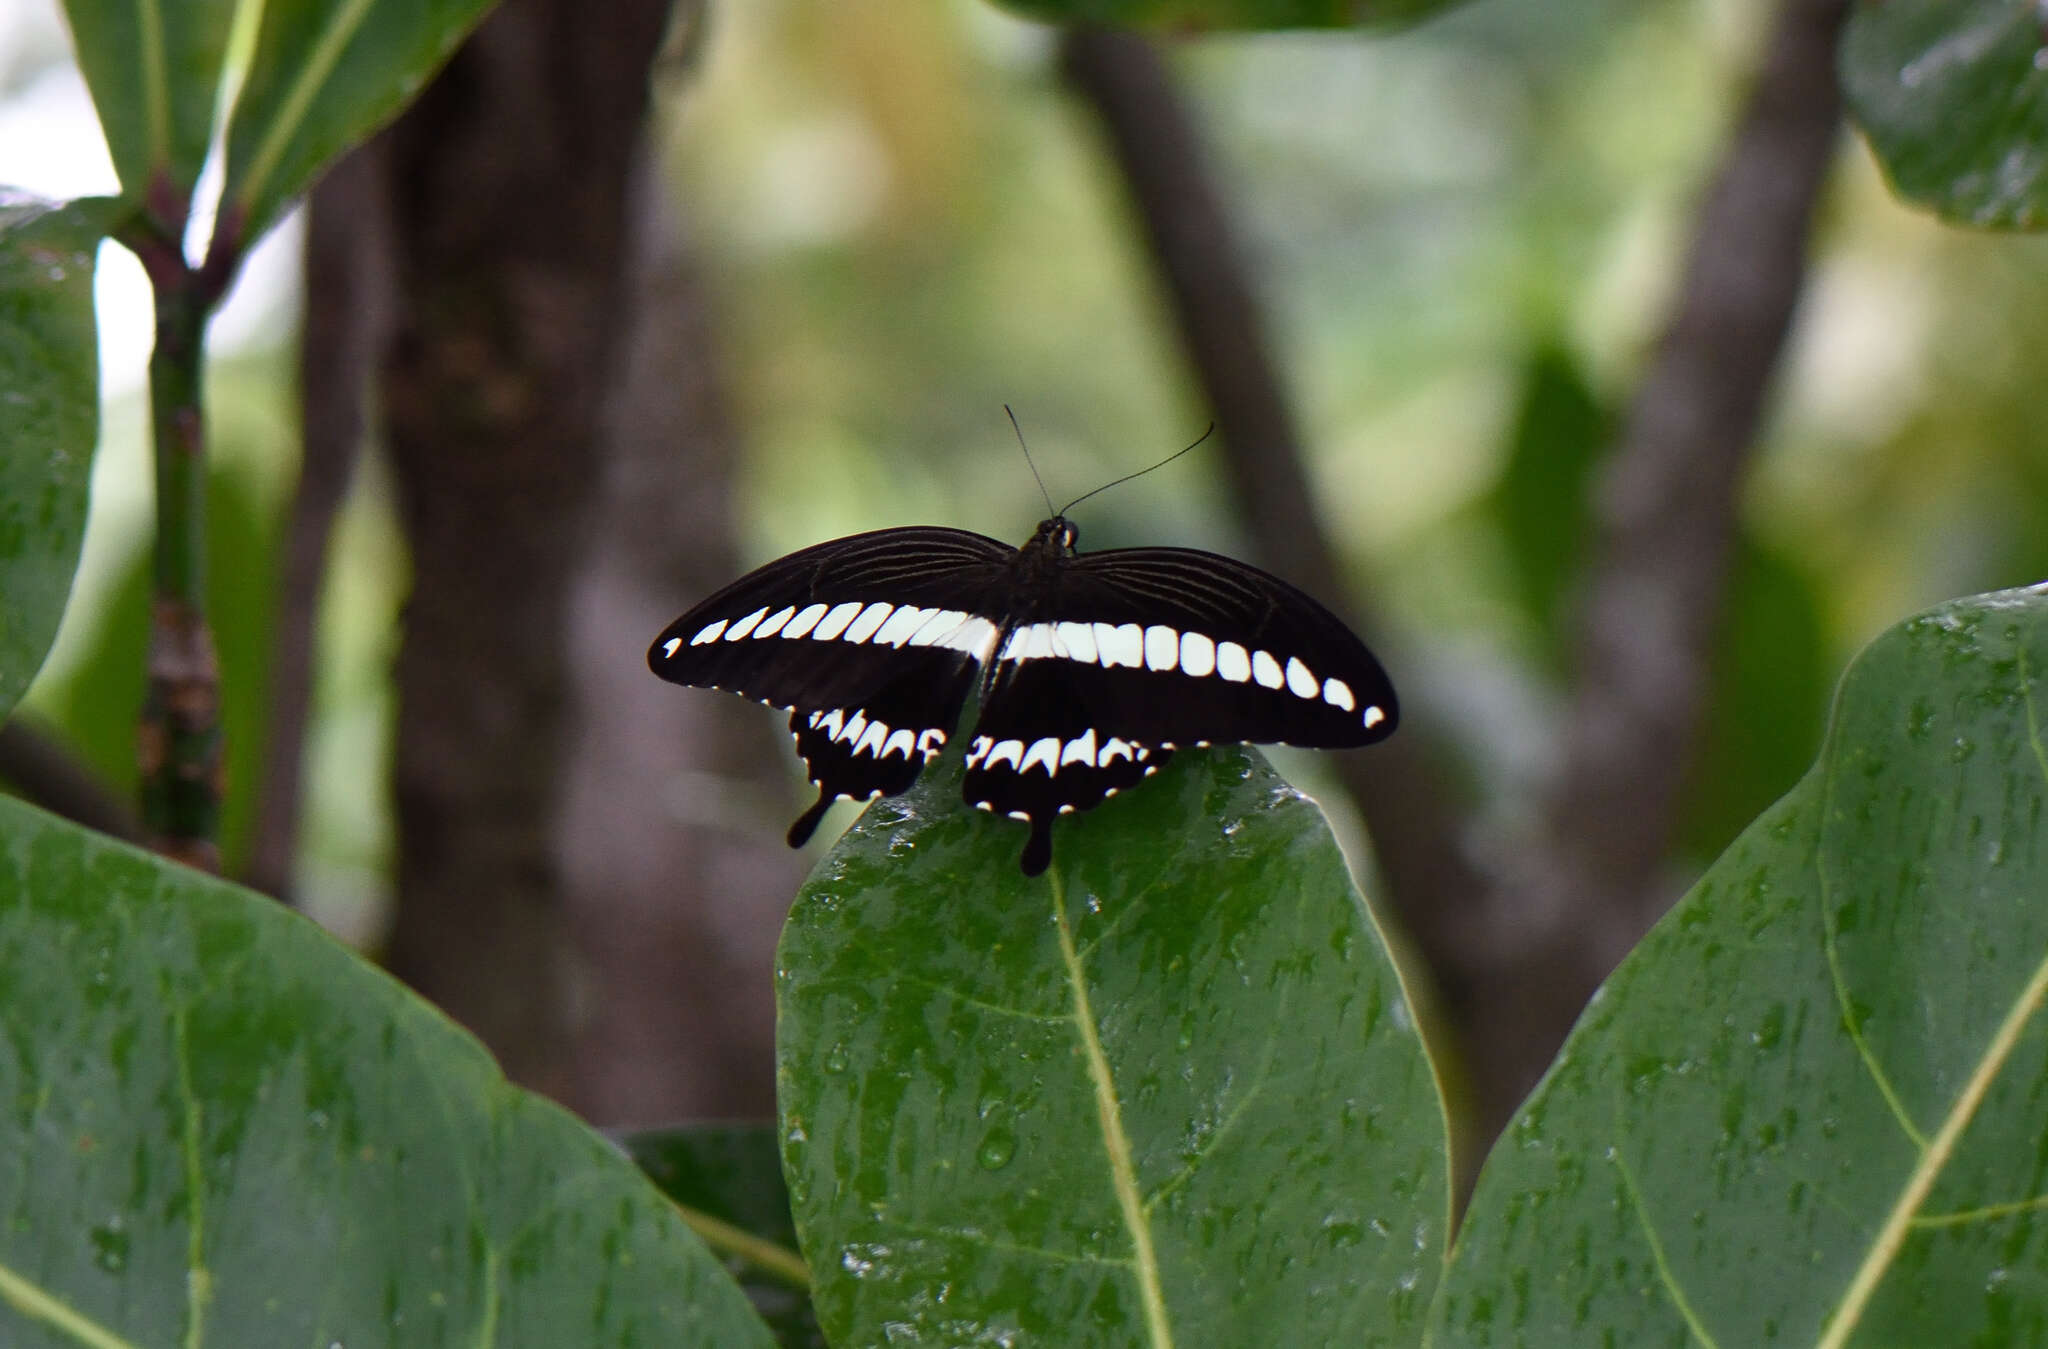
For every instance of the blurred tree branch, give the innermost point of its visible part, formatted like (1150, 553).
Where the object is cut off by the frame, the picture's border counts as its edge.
(1574, 899)
(1398, 786)
(1516, 955)
(510, 185)
(676, 875)
(45, 771)
(342, 337)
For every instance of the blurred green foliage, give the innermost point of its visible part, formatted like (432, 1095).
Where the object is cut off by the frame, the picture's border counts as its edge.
(1466, 234)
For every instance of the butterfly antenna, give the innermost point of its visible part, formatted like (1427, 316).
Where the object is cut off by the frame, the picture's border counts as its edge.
(1143, 471)
(1027, 456)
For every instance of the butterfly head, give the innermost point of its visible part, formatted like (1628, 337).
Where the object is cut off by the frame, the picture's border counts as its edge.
(1057, 535)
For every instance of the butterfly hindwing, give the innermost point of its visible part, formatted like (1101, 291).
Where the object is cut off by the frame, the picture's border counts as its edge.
(1040, 749)
(877, 740)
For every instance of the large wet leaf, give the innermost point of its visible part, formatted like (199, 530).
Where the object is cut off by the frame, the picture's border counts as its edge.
(1200, 15)
(154, 68)
(1170, 1091)
(326, 73)
(49, 419)
(221, 1128)
(1807, 1110)
(1954, 97)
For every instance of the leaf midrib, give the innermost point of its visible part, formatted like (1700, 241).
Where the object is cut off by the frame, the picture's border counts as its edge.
(1117, 1143)
(1935, 1156)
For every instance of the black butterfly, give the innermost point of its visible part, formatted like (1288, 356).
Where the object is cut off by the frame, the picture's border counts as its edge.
(1093, 668)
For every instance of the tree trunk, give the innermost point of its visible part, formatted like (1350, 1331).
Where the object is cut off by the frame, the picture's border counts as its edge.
(510, 182)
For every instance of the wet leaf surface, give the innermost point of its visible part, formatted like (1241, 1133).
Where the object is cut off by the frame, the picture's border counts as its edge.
(221, 1128)
(1171, 1088)
(49, 419)
(1807, 1109)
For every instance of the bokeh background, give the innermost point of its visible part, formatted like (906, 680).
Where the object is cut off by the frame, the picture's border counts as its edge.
(850, 235)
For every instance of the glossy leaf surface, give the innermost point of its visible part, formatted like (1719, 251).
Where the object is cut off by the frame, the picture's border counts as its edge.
(1169, 1092)
(326, 73)
(1954, 97)
(154, 68)
(49, 419)
(1807, 1109)
(221, 1128)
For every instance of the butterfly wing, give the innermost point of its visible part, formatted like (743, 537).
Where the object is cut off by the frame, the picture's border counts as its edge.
(1140, 650)
(870, 642)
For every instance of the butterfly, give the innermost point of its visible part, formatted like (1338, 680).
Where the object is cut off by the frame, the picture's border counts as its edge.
(1092, 668)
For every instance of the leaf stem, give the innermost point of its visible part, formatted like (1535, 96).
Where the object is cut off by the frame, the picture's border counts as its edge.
(776, 1261)
(178, 743)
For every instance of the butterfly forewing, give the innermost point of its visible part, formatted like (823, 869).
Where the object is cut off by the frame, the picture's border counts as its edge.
(814, 629)
(1172, 646)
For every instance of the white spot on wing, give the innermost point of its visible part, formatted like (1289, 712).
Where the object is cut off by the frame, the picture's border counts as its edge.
(976, 752)
(1301, 681)
(1233, 662)
(903, 741)
(901, 624)
(668, 648)
(1197, 655)
(832, 624)
(1013, 750)
(939, 624)
(975, 635)
(1162, 647)
(1267, 670)
(708, 633)
(853, 728)
(871, 739)
(1337, 693)
(929, 743)
(1373, 717)
(870, 619)
(802, 624)
(1046, 752)
(775, 621)
(1122, 645)
(1112, 748)
(1077, 641)
(745, 625)
(1081, 750)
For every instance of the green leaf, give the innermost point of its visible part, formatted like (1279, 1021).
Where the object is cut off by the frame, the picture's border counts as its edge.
(1807, 1109)
(326, 73)
(1544, 501)
(221, 1128)
(1954, 97)
(1204, 15)
(154, 68)
(731, 1174)
(49, 419)
(1172, 1087)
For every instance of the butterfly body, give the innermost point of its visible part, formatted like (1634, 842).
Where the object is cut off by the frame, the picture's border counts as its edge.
(1091, 668)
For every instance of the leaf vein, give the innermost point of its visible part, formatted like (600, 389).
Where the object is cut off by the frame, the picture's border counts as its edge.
(1664, 1272)
(1123, 1172)
(1844, 1003)
(39, 1304)
(1892, 1235)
